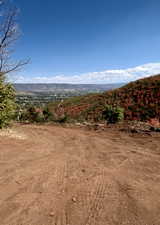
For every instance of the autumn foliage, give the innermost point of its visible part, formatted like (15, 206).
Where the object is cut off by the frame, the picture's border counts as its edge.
(140, 101)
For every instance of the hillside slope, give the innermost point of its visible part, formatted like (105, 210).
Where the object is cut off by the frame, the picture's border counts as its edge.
(140, 100)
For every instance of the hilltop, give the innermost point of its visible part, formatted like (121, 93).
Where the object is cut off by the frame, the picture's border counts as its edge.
(140, 100)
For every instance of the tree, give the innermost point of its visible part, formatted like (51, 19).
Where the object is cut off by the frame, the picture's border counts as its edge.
(9, 32)
(7, 104)
(113, 114)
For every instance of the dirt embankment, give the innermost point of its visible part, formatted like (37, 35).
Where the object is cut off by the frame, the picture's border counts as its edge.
(62, 176)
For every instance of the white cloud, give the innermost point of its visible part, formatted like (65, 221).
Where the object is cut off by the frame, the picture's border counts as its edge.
(107, 76)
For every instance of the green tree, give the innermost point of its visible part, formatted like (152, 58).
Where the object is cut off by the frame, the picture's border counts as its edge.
(113, 114)
(9, 33)
(7, 103)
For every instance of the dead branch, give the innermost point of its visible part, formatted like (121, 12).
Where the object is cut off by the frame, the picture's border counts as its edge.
(9, 33)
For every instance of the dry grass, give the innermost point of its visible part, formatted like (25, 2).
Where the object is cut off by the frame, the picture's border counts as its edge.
(12, 133)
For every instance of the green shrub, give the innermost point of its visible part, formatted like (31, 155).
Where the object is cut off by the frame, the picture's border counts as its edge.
(62, 119)
(113, 114)
(34, 114)
(48, 116)
(22, 115)
(7, 103)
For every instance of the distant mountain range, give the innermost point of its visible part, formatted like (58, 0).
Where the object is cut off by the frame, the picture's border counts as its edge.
(50, 88)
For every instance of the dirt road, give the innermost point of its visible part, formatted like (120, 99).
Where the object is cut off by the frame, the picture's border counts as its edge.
(61, 176)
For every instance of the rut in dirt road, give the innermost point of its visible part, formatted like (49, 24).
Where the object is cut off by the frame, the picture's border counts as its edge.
(64, 176)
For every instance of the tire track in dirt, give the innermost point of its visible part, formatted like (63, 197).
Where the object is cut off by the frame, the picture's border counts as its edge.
(62, 218)
(89, 200)
(61, 215)
(96, 204)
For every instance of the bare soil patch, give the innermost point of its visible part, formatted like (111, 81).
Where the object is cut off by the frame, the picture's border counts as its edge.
(72, 176)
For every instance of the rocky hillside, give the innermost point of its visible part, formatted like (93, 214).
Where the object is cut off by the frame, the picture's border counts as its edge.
(140, 100)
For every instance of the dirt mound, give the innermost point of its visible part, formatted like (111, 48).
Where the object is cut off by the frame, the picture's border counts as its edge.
(64, 176)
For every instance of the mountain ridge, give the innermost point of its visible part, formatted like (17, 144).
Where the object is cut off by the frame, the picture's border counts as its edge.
(51, 87)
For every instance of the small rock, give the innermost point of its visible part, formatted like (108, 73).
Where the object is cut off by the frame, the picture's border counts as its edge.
(78, 124)
(74, 199)
(51, 214)
(17, 181)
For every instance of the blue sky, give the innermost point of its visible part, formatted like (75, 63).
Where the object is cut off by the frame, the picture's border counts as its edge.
(69, 38)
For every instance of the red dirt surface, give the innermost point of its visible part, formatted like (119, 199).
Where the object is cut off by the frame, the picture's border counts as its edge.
(62, 176)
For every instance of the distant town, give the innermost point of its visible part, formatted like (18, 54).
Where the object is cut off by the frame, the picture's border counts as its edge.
(39, 94)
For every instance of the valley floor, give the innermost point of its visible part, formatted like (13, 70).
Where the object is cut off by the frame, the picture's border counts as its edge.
(51, 175)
